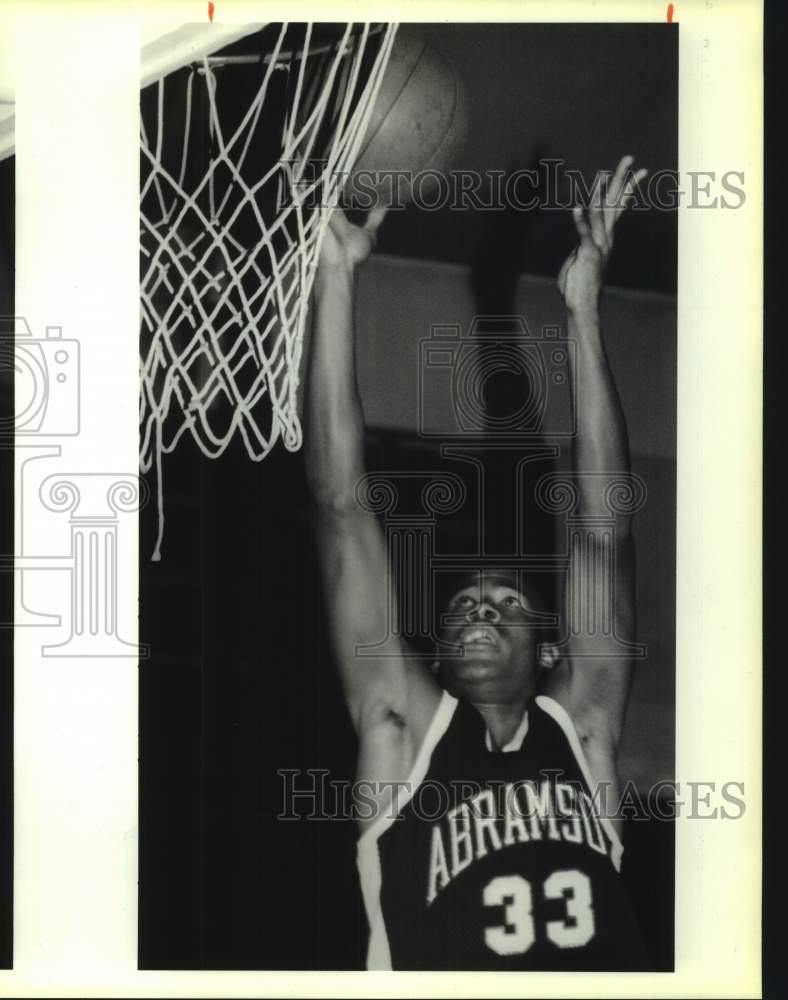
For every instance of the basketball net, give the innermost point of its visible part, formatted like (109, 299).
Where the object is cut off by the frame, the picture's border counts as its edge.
(228, 259)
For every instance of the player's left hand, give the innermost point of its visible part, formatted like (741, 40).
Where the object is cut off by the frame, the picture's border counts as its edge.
(580, 279)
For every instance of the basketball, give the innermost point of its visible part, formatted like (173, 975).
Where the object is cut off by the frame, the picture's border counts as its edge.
(417, 125)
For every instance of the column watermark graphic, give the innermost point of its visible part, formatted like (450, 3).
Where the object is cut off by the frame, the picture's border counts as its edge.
(67, 552)
(93, 502)
(591, 545)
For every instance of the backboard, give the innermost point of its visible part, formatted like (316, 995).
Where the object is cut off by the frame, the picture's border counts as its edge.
(164, 47)
(7, 94)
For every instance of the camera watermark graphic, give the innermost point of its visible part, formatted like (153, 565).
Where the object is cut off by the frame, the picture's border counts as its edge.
(46, 386)
(66, 568)
(463, 367)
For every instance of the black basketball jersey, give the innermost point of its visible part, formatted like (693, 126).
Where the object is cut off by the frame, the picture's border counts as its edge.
(497, 860)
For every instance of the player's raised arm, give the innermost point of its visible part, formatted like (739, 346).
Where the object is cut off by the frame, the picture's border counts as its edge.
(593, 686)
(384, 692)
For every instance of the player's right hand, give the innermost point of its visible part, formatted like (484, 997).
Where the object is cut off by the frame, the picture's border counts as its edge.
(345, 245)
(580, 279)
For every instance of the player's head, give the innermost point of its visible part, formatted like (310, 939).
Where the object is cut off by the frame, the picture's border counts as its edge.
(495, 623)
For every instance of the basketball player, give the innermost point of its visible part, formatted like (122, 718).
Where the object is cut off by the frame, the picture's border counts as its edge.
(486, 847)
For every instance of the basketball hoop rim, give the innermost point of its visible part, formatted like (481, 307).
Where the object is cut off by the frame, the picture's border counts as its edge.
(7, 129)
(192, 43)
(170, 49)
(165, 52)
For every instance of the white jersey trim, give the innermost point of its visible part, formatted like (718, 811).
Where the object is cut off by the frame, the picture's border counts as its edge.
(367, 856)
(437, 727)
(557, 711)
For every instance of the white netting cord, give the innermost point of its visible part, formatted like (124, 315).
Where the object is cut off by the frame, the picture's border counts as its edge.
(223, 315)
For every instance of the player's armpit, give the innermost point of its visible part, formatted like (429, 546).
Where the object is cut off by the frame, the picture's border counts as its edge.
(382, 688)
(389, 745)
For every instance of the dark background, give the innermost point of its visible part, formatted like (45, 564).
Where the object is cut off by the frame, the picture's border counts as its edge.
(775, 495)
(240, 681)
(7, 216)
(581, 93)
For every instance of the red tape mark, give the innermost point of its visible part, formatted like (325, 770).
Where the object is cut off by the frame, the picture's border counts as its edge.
(670, 12)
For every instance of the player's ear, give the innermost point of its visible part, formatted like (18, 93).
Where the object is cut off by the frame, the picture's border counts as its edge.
(435, 667)
(548, 656)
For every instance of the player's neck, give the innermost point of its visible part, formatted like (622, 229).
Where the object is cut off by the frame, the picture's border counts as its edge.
(502, 720)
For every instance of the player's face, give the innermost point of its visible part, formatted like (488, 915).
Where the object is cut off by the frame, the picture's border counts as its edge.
(492, 624)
